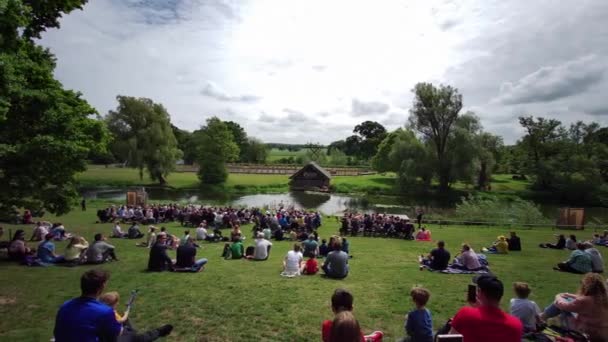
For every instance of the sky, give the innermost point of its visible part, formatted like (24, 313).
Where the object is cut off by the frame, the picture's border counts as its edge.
(309, 71)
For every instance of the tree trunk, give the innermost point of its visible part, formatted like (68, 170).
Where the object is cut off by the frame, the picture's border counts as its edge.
(161, 180)
(482, 180)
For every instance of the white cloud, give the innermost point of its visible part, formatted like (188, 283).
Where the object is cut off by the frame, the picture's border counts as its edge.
(248, 60)
(361, 108)
(213, 91)
(550, 83)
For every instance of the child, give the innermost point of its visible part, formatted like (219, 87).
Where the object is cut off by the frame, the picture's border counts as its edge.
(342, 301)
(345, 328)
(323, 249)
(311, 267)
(112, 299)
(419, 322)
(526, 310)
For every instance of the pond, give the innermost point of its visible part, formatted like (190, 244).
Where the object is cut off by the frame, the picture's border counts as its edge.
(331, 204)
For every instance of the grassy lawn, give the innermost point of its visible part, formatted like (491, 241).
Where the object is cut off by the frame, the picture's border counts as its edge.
(276, 154)
(248, 301)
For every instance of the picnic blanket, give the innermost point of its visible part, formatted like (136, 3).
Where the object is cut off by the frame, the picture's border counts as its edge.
(456, 267)
(452, 270)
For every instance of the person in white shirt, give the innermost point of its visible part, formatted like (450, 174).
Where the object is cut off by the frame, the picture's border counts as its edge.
(292, 264)
(201, 232)
(117, 231)
(40, 232)
(262, 248)
(597, 262)
(526, 310)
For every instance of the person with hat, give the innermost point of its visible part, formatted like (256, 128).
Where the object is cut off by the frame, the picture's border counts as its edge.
(483, 320)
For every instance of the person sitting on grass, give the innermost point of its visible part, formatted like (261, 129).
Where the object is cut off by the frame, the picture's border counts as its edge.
(159, 261)
(579, 262)
(262, 248)
(438, 259)
(311, 247)
(561, 243)
(484, 321)
(586, 311)
(100, 251)
(133, 232)
(87, 319)
(419, 322)
(526, 310)
(201, 232)
(468, 259)
(267, 233)
(571, 242)
(336, 264)
(292, 264)
(514, 242)
(342, 301)
(423, 235)
(597, 262)
(18, 249)
(346, 247)
(75, 251)
(150, 238)
(40, 231)
(323, 248)
(311, 267)
(117, 231)
(235, 250)
(46, 251)
(500, 246)
(186, 257)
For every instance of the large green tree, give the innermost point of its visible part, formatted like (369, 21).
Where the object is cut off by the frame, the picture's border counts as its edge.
(143, 136)
(433, 114)
(372, 133)
(215, 147)
(240, 139)
(46, 131)
(184, 139)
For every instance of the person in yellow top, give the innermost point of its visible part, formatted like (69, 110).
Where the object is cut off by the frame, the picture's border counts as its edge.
(500, 246)
(75, 250)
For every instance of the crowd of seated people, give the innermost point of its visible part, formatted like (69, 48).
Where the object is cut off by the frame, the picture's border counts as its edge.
(380, 225)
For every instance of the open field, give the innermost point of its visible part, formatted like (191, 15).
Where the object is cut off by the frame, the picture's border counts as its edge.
(248, 301)
(276, 154)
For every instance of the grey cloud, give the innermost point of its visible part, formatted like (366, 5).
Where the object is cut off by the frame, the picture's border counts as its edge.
(550, 83)
(319, 68)
(213, 91)
(264, 117)
(394, 119)
(295, 116)
(360, 108)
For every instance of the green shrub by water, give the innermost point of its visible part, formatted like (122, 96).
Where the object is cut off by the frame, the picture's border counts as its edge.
(499, 210)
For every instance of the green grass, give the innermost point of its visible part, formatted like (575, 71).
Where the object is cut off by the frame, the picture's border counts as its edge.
(276, 154)
(248, 301)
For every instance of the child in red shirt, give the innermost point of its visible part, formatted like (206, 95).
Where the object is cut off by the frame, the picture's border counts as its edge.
(311, 267)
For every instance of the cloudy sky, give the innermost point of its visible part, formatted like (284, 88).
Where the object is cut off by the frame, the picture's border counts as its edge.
(309, 71)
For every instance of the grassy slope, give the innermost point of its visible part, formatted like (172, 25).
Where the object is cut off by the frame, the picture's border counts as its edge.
(247, 301)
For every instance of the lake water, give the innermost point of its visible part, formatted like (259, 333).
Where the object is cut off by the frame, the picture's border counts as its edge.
(326, 203)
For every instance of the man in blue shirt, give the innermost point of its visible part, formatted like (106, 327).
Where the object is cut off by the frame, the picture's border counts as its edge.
(85, 318)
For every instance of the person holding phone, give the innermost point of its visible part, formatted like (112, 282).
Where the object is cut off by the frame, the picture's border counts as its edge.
(484, 320)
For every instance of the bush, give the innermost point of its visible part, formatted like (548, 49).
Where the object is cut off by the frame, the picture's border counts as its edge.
(491, 209)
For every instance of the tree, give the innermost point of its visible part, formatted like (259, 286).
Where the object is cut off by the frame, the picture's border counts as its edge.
(541, 146)
(256, 152)
(215, 147)
(46, 131)
(339, 145)
(490, 146)
(433, 115)
(382, 162)
(240, 138)
(372, 134)
(184, 144)
(143, 136)
(352, 145)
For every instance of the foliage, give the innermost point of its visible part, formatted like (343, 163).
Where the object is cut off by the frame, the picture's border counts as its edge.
(46, 131)
(143, 136)
(215, 147)
(184, 144)
(255, 152)
(569, 162)
(240, 139)
(434, 113)
(491, 209)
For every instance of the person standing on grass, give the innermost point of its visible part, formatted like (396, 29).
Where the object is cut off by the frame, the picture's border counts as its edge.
(484, 321)
(87, 319)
